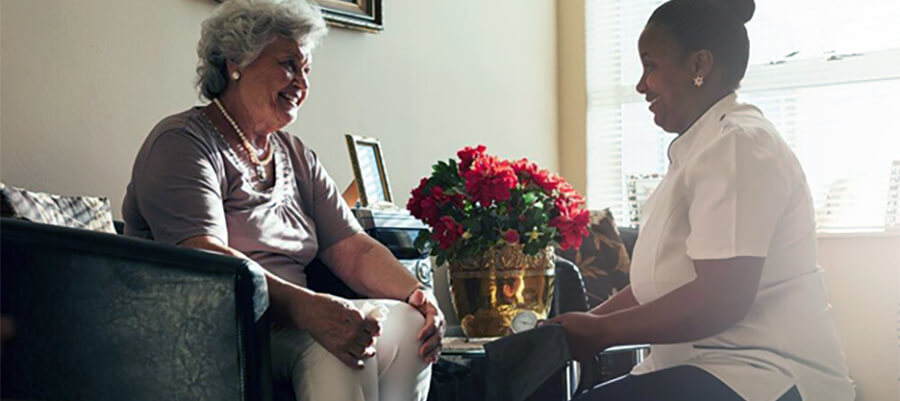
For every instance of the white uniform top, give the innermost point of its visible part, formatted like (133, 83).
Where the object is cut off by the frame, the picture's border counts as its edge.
(734, 188)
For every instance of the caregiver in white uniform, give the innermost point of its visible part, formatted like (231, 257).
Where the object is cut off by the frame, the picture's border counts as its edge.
(724, 283)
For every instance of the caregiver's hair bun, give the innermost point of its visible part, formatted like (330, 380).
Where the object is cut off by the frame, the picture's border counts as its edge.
(742, 9)
(714, 25)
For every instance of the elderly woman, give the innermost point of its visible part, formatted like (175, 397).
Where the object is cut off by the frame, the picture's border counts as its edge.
(226, 178)
(724, 282)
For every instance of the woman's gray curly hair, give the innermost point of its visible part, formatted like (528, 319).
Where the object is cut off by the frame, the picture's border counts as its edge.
(238, 30)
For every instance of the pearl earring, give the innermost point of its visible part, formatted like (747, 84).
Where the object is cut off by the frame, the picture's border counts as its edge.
(698, 81)
(235, 75)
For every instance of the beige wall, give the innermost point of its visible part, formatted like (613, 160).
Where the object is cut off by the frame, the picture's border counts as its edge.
(862, 275)
(84, 81)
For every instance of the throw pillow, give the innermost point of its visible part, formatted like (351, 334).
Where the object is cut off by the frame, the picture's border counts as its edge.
(602, 258)
(84, 212)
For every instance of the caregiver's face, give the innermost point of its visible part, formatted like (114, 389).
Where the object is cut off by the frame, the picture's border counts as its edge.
(667, 79)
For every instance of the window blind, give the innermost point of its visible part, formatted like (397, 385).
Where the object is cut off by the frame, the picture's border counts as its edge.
(824, 72)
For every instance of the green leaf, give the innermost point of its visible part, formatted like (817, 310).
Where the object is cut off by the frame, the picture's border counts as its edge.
(529, 198)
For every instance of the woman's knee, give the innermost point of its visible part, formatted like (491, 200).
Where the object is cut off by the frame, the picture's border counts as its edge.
(403, 373)
(402, 324)
(399, 333)
(402, 314)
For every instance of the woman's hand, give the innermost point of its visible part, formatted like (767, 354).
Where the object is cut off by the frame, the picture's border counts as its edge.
(433, 331)
(341, 328)
(582, 333)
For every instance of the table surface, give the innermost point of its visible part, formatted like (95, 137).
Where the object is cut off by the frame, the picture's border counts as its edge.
(475, 346)
(464, 345)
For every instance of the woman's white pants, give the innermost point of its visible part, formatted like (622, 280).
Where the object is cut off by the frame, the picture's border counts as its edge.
(396, 372)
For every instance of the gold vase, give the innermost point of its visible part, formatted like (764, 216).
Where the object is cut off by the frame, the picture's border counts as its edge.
(502, 290)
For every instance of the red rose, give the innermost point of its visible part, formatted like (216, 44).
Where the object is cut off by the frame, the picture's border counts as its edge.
(428, 206)
(467, 155)
(457, 200)
(511, 236)
(430, 210)
(566, 190)
(446, 232)
(436, 193)
(547, 181)
(441, 198)
(414, 204)
(525, 171)
(568, 204)
(572, 228)
(490, 180)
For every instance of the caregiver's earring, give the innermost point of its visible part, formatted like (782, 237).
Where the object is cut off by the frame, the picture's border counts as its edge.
(698, 81)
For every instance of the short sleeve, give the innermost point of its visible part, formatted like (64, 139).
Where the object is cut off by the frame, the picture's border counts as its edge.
(738, 188)
(178, 191)
(334, 220)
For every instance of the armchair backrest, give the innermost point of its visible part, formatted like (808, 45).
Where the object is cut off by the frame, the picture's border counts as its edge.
(103, 317)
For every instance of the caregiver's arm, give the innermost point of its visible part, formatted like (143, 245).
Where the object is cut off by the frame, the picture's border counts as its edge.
(720, 296)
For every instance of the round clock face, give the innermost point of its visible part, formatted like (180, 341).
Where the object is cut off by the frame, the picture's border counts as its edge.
(524, 320)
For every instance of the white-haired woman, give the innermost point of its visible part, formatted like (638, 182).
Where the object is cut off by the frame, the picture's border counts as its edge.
(226, 178)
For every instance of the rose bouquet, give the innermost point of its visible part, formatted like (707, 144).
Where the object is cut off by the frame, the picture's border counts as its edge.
(483, 202)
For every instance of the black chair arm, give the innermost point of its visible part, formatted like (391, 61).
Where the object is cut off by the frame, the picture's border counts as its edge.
(104, 317)
(569, 295)
(629, 237)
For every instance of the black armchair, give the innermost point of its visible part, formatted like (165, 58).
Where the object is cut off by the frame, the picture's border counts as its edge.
(104, 317)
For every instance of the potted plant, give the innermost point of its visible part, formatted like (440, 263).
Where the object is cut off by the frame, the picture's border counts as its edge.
(495, 223)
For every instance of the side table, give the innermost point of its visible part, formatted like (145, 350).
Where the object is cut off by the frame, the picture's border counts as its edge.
(462, 372)
(476, 384)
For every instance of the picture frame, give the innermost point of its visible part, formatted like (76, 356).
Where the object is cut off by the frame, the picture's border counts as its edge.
(361, 15)
(368, 170)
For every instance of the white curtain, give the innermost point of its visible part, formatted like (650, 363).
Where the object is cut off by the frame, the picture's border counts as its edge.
(827, 73)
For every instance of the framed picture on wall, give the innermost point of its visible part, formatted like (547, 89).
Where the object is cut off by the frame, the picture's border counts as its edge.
(368, 170)
(363, 15)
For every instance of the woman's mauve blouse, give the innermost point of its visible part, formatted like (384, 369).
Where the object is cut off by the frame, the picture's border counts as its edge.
(188, 181)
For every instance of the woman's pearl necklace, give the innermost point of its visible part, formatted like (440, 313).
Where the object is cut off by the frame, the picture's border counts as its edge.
(251, 151)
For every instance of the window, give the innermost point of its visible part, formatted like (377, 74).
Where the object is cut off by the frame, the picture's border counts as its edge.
(826, 73)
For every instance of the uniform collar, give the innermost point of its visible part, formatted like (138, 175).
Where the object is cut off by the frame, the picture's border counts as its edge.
(681, 147)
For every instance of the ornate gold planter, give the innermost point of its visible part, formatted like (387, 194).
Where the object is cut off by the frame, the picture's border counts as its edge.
(502, 291)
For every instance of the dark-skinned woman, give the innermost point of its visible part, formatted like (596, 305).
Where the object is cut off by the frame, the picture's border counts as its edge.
(724, 284)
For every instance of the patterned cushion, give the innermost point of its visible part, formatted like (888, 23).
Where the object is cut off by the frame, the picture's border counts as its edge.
(602, 258)
(84, 212)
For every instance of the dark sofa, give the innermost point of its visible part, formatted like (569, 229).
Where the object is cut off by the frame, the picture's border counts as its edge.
(104, 317)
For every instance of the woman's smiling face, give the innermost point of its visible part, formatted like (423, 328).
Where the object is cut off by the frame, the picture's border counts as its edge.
(667, 79)
(275, 84)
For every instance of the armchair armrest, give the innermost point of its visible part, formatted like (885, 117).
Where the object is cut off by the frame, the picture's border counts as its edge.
(104, 317)
(569, 294)
(629, 237)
